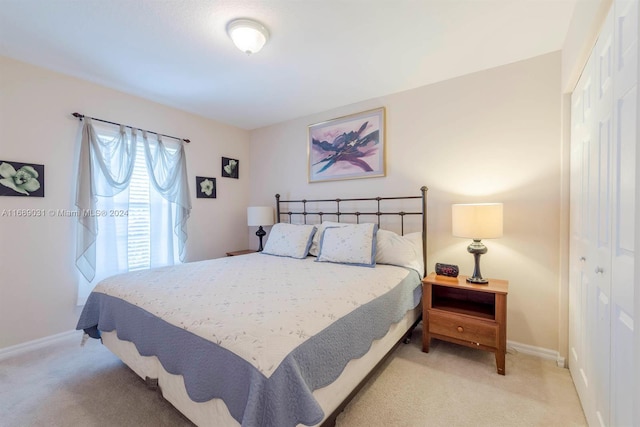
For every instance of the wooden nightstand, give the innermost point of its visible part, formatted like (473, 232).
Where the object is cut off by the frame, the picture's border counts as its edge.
(241, 252)
(467, 314)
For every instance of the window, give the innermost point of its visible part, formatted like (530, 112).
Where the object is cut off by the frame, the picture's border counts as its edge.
(140, 221)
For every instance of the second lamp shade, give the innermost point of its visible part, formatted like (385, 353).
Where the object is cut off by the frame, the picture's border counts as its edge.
(477, 221)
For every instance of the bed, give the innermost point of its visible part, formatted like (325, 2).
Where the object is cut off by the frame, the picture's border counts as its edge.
(279, 338)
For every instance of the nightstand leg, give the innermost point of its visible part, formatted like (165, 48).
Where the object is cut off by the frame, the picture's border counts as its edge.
(501, 318)
(426, 337)
(426, 305)
(500, 362)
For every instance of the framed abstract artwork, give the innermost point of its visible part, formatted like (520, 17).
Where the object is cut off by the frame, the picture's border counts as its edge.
(205, 187)
(348, 147)
(230, 168)
(21, 179)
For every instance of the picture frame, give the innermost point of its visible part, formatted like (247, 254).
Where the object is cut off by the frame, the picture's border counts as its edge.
(21, 179)
(230, 168)
(205, 187)
(348, 147)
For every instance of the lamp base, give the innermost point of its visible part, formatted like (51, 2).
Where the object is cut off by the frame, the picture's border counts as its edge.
(261, 233)
(477, 248)
(477, 280)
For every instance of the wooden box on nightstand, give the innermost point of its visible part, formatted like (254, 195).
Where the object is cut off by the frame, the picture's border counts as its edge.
(467, 314)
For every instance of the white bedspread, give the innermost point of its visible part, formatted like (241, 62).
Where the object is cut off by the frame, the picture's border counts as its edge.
(265, 308)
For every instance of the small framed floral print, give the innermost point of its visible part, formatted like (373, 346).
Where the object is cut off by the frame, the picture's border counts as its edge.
(230, 168)
(205, 187)
(21, 179)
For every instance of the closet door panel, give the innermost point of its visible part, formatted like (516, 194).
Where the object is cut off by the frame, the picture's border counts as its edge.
(581, 231)
(624, 212)
(601, 156)
(624, 204)
(600, 270)
(622, 376)
(624, 156)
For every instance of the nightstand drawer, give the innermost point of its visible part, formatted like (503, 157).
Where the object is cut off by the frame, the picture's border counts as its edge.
(476, 331)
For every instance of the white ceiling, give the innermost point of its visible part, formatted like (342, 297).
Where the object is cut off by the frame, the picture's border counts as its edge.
(322, 54)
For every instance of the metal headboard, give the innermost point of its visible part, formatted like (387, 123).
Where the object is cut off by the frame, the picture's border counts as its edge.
(304, 210)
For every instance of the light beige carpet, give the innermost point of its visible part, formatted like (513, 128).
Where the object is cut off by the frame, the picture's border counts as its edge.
(68, 385)
(454, 385)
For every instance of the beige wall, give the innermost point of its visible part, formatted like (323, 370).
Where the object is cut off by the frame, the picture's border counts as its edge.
(492, 136)
(38, 287)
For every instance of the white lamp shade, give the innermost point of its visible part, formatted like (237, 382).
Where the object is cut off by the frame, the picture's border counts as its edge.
(259, 215)
(249, 36)
(477, 221)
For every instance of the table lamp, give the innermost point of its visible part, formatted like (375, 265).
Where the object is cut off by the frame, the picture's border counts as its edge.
(259, 216)
(477, 222)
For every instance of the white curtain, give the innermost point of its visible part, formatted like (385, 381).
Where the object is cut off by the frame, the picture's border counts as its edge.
(102, 197)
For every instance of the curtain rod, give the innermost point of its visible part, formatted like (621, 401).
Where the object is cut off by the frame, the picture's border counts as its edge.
(82, 116)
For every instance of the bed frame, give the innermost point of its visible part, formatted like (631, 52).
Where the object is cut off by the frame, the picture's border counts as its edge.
(291, 208)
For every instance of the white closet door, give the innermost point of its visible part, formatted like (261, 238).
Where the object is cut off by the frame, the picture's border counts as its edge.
(623, 211)
(582, 136)
(603, 293)
(599, 298)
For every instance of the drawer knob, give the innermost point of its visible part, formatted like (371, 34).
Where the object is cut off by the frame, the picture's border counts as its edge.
(460, 329)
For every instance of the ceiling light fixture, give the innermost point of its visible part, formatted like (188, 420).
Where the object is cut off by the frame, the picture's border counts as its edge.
(248, 35)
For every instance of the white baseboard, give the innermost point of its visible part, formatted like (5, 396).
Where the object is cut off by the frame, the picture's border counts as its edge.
(543, 353)
(36, 344)
(15, 350)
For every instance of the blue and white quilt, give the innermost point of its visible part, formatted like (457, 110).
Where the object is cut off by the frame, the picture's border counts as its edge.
(258, 331)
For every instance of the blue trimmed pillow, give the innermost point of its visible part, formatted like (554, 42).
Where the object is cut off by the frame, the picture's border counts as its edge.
(353, 244)
(289, 240)
(315, 244)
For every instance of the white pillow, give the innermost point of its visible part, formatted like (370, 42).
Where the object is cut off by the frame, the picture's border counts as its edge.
(416, 240)
(313, 250)
(352, 244)
(290, 240)
(403, 251)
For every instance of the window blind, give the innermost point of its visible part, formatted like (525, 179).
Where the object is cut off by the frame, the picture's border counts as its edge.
(139, 223)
